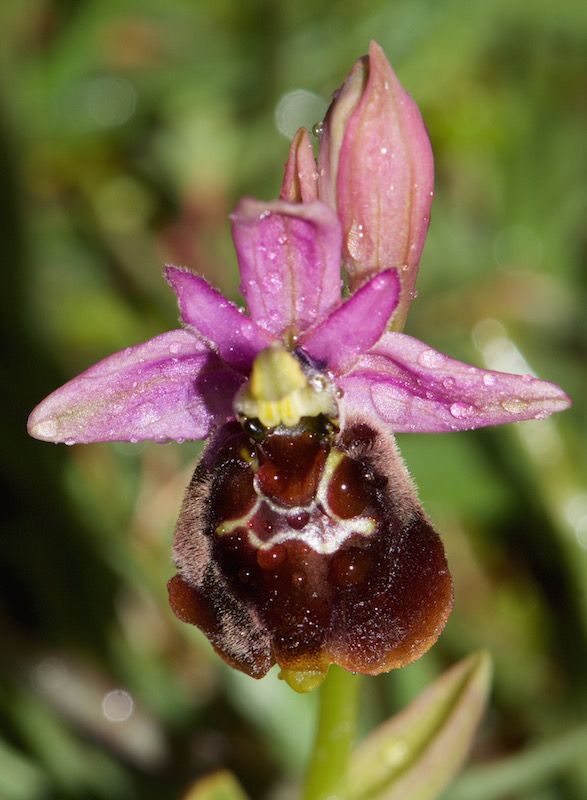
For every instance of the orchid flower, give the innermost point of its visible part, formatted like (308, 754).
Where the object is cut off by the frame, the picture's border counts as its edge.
(301, 540)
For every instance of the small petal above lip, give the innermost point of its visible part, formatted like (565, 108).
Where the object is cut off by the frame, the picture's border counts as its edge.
(300, 180)
(235, 336)
(289, 258)
(171, 387)
(417, 389)
(356, 325)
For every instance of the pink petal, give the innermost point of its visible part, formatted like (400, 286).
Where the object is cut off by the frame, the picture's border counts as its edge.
(414, 388)
(235, 337)
(300, 180)
(171, 387)
(356, 325)
(375, 163)
(289, 257)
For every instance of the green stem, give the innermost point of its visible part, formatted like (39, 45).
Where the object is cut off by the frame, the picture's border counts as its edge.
(334, 735)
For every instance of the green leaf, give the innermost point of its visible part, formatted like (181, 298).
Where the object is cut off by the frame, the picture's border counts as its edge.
(20, 778)
(219, 786)
(416, 753)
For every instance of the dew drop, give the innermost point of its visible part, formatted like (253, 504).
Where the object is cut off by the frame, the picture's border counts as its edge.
(488, 379)
(514, 405)
(431, 359)
(318, 129)
(69, 442)
(354, 239)
(383, 151)
(461, 410)
(349, 567)
(298, 579)
(319, 383)
(245, 575)
(299, 520)
(448, 383)
(47, 429)
(273, 558)
(148, 414)
(396, 752)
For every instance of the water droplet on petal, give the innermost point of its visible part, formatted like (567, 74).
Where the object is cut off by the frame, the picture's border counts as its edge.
(431, 359)
(488, 379)
(462, 410)
(318, 129)
(47, 429)
(354, 240)
(514, 405)
(148, 414)
(396, 753)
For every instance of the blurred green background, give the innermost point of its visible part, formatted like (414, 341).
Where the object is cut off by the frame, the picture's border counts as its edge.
(128, 130)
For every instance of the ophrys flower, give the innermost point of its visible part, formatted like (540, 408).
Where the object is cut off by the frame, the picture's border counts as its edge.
(301, 540)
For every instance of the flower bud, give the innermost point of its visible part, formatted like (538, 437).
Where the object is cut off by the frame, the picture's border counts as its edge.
(375, 168)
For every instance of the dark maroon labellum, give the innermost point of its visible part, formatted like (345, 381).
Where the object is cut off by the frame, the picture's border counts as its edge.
(305, 546)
